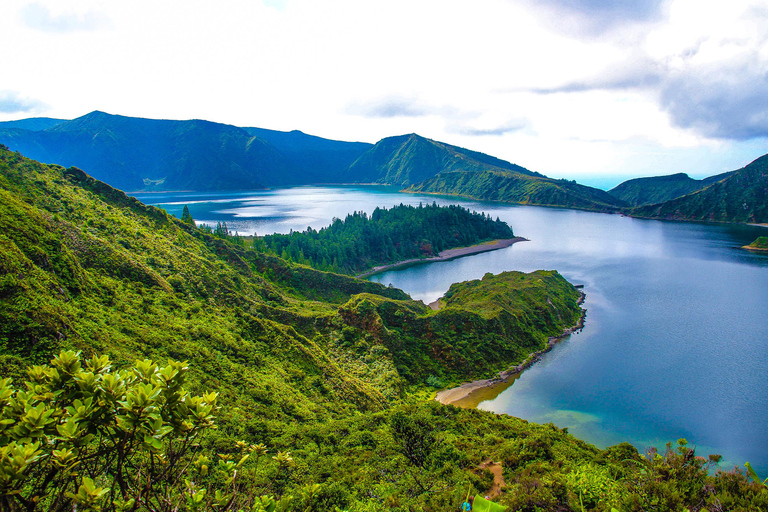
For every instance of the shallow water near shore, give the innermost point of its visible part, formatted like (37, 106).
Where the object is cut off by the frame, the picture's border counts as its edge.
(676, 336)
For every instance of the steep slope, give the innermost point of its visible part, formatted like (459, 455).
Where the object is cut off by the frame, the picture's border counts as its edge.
(658, 189)
(513, 187)
(32, 124)
(84, 266)
(741, 197)
(409, 159)
(319, 160)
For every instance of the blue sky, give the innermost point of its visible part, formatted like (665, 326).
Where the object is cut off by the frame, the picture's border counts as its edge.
(597, 91)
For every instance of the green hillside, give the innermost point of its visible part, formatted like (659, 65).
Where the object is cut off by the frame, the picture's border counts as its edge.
(409, 159)
(741, 197)
(761, 244)
(149, 154)
(316, 159)
(512, 187)
(658, 189)
(87, 267)
(329, 372)
(32, 124)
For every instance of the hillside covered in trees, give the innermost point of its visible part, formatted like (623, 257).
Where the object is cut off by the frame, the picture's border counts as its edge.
(360, 242)
(512, 187)
(324, 377)
(658, 189)
(742, 196)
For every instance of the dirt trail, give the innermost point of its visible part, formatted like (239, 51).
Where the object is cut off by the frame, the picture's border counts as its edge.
(498, 478)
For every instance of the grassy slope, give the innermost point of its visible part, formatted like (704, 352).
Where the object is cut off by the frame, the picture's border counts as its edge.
(658, 189)
(741, 197)
(409, 159)
(761, 244)
(85, 266)
(499, 185)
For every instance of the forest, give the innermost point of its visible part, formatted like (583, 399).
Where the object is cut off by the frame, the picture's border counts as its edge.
(360, 242)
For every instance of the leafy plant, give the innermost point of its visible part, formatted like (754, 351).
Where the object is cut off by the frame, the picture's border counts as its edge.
(82, 436)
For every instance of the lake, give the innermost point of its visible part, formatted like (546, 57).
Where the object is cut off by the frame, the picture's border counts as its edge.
(676, 338)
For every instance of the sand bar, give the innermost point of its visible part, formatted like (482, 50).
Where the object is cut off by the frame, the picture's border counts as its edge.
(449, 254)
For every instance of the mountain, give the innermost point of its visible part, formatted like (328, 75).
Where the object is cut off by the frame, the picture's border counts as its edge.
(32, 124)
(658, 189)
(515, 187)
(319, 160)
(742, 196)
(148, 154)
(409, 159)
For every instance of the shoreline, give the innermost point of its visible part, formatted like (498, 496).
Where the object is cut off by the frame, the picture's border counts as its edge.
(453, 395)
(448, 254)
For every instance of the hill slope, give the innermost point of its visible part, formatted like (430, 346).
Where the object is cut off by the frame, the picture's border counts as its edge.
(741, 197)
(317, 159)
(658, 189)
(408, 159)
(84, 266)
(513, 187)
(150, 154)
(32, 124)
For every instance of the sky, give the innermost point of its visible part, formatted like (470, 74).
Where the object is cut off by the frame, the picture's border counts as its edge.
(593, 90)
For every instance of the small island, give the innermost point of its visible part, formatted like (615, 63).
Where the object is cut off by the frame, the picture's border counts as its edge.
(761, 245)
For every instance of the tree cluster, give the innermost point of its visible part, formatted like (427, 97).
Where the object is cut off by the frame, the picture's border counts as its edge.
(360, 242)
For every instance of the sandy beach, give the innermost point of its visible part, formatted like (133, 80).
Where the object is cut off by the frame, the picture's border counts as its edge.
(449, 254)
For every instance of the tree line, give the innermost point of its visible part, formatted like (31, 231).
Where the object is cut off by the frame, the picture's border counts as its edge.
(360, 242)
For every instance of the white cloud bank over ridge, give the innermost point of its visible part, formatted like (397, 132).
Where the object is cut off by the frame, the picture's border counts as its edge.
(567, 88)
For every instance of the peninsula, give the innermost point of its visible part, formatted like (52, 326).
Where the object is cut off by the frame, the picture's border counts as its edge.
(448, 254)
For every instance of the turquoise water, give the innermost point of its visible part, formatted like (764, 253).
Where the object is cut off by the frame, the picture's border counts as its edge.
(676, 339)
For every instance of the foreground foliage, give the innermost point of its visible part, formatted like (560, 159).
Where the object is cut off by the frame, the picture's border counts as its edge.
(80, 437)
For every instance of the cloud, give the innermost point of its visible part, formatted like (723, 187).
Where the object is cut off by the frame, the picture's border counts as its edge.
(392, 106)
(636, 74)
(722, 102)
(509, 127)
(595, 17)
(12, 103)
(39, 17)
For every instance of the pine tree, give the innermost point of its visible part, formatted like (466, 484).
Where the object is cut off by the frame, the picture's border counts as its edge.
(186, 217)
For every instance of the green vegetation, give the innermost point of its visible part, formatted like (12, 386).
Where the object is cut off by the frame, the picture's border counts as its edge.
(761, 244)
(331, 368)
(658, 189)
(409, 159)
(741, 197)
(513, 187)
(359, 242)
(151, 154)
(81, 436)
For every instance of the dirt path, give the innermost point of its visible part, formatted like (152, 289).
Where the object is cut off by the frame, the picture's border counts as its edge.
(498, 478)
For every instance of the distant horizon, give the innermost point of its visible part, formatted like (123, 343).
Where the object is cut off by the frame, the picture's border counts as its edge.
(603, 181)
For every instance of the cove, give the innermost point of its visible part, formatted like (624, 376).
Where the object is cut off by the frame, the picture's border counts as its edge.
(676, 336)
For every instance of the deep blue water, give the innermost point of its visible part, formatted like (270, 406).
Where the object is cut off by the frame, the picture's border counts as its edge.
(676, 339)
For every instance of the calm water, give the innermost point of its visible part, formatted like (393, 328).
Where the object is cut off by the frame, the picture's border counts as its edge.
(676, 340)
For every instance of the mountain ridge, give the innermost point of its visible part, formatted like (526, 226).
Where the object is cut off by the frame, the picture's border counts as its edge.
(658, 189)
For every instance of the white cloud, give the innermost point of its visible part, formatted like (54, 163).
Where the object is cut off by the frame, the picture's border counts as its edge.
(493, 75)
